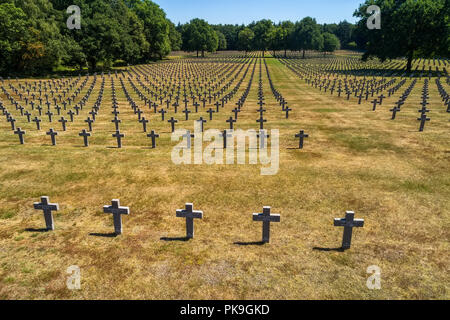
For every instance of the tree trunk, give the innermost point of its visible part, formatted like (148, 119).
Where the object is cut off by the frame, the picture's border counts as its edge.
(197, 53)
(304, 53)
(203, 53)
(410, 59)
(285, 53)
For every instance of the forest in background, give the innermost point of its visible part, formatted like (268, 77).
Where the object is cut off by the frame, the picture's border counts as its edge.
(35, 39)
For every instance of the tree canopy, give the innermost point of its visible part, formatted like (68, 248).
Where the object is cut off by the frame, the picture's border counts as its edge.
(34, 37)
(409, 28)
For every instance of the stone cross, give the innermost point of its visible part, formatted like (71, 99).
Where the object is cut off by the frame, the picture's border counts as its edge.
(119, 137)
(349, 222)
(231, 121)
(188, 137)
(172, 122)
(85, 136)
(394, 112)
(144, 123)
(89, 121)
(116, 122)
(210, 111)
(225, 135)
(190, 215)
(153, 136)
(47, 207)
(38, 123)
(287, 109)
(261, 121)
(266, 219)
(52, 133)
(117, 212)
(202, 122)
(301, 137)
(423, 119)
(163, 112)
(63, 122)
(21, 133)
(13, 121)
(71, 114)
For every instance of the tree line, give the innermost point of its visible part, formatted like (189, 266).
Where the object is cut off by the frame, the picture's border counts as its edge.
(34, 37)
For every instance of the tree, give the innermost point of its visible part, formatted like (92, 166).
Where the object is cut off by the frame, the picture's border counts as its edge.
(262, 30)
(156, 27)
(222, 41)
(246, 37)
(330, 42)
(276, 37)
(41, 42)
(13, 27)
(199, 36)
(231, 33)
(175, 38)
(307, 35)
(411, 28)
(344, 31)
(285, 32)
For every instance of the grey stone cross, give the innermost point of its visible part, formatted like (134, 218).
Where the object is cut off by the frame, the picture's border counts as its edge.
(38, 123)
(89, 121)
(423, 119)
(117, 212)
(190, 214)
(20, 133)
(52, 133)
(349, 222)
(85, 136)
(266, 219)
(47, 207)
(153, 136)
(63, 122)
(144, 123)
(172, 122)
(119, 137)
(301, 135)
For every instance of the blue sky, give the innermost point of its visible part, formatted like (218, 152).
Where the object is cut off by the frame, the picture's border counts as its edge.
(246, 11)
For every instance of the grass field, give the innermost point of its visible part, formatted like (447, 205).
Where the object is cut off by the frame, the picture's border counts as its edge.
(394, 177)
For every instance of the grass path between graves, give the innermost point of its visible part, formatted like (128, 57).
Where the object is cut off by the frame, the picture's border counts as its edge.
(391, 175)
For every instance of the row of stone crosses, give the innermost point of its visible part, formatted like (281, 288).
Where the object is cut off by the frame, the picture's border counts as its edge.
(153, 135)
(369, 87)
(266, 217)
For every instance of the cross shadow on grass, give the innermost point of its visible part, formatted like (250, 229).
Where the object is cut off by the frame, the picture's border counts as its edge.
(255, 243)
(43, 230)
(329, 249)
(181, 239)
(104, 235)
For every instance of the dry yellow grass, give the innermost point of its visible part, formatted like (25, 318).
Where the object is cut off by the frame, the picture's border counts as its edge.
(394, 177)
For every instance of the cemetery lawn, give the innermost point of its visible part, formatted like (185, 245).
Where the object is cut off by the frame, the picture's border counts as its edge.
(394, 177)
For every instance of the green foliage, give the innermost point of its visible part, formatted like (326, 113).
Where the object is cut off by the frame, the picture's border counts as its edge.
(156, 28)
(307, 35)
(409, 28)
(34, 37)
(330, 42)
(262, 30)
(199, 36)
(246, 37)
(175, 37)
(222, 40)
